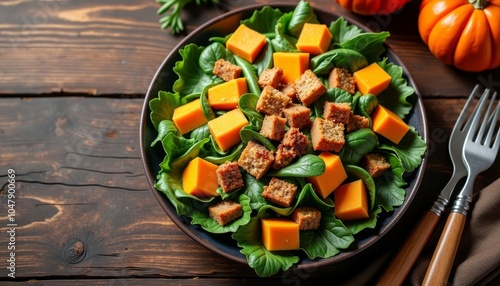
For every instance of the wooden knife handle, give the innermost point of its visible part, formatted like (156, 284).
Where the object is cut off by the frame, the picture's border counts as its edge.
(403, 261)
(446, 249)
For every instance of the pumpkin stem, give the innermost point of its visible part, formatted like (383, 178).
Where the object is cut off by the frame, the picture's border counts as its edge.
(479, 4)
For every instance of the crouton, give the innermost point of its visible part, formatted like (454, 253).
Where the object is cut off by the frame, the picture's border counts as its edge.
(271, 77)
(225, 212)
(256, 159)
(342, 78)
(226, 70)
(279, 192)
(309, 88)
(327, 135)
(273, 127)
(297, 116)
(289, 91)
(307, 217)
(284, 156)
(296, 139)
(375, 164)
(229, 176)
(337, 111)
(357, 122)
(272, 101)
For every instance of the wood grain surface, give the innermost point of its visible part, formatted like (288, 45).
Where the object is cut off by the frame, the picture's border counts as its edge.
(73, 75)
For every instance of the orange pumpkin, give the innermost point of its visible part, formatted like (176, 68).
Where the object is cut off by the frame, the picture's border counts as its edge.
(372, 7)
(462, 33)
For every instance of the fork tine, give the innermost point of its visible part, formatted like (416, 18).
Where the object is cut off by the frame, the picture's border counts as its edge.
(476, 116)
(488, 123)
(494, 128)
(463, 114)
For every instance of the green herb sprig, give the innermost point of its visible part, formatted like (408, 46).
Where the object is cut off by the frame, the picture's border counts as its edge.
(173, 10)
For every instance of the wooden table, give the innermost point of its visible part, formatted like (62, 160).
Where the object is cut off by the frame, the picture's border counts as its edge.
(73, 75)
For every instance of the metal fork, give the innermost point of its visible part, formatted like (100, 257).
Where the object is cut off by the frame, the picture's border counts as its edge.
(479, 153)
(403, 260)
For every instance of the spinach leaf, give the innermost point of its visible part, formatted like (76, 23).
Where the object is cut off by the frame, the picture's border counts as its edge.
(397, 95)
(342, 31)
(390, 186)
(308, 165)
(409, 151)
(165, 127)
(211, 54)
(192, 78)
(265, 59)
(357, 144)
(328, 239)
(342, 58)
(371, 45)
(248, 133)
(167, 183)
(253, 189)
(283, 42)
(331, 95)
(202, 218)
(265, 262)
(162, 107)
(303, 13)
(356, 226)
(247, 105)
(264, 21)
(233, 156)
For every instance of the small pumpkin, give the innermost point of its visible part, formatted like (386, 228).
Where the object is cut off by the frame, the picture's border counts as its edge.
(372, 7)
(462, 33)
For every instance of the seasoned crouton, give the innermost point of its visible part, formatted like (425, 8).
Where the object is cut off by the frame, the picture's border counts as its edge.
(375, 164)
(357, 122)
(342, 78)
(279, 192)
(296, 139)
(309, 88)
(256, 159)
(272, 101)
(298, 116)
(289, 91)
(273, 127)
(229, 176)
(225, 212)
(226, 70)
(271, 77)
(284, 156)
(327, 135)
(337, 111)
(307, 217)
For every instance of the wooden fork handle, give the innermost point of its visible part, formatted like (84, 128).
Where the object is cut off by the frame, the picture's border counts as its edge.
(446, 249)
(403, 261)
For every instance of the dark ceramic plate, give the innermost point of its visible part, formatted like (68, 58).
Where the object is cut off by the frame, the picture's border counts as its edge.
(223, 244)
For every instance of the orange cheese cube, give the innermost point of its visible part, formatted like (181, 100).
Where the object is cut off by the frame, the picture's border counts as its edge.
(199, 178)
(333, 176)
(188, 116)
(246, 43)
(388, 124)
(351, 201)
(314, 39)
(280, 234)
(225, 129)
(225, 96)
(292, 64)
(372, 79)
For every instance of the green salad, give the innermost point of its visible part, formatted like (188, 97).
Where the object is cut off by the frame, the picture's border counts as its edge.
(352, 49)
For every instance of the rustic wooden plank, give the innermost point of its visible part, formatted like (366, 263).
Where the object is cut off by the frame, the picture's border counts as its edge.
(108, 47)
(81, 182)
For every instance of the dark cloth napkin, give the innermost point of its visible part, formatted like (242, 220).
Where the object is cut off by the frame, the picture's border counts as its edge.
(478, 258)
